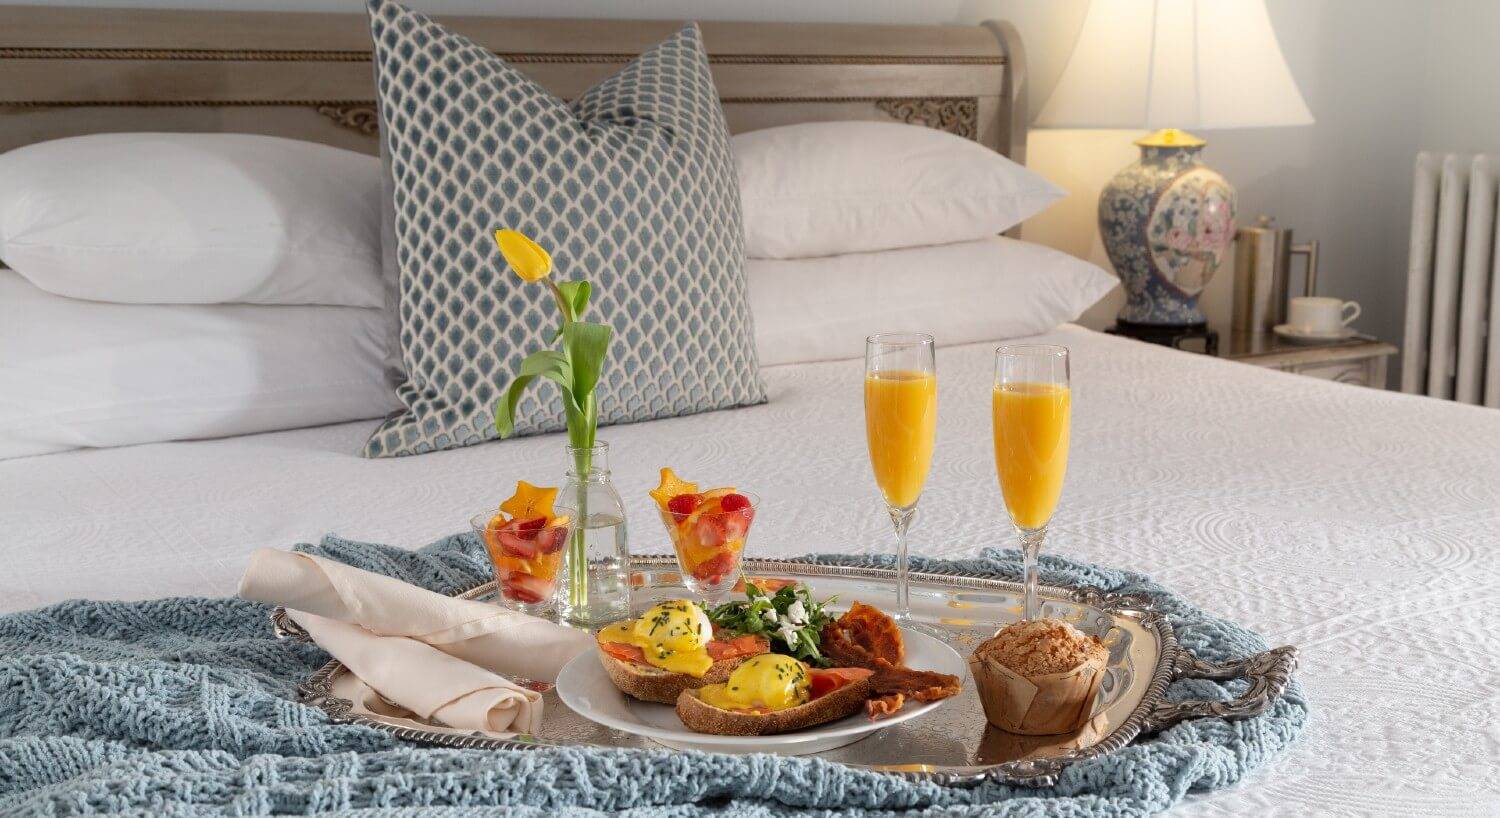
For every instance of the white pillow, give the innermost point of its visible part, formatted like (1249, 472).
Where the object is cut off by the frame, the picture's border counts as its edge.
(179, 218)
(77, 373)
(824, 188)
(822, 309)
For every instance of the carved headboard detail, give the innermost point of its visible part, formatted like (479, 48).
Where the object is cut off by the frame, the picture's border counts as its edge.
(956, 115)
(69, 71)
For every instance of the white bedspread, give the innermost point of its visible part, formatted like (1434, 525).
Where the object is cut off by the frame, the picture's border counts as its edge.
(1362, 526)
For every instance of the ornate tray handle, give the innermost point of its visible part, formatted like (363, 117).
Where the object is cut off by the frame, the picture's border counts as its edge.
(1268, 673)
(284, 627)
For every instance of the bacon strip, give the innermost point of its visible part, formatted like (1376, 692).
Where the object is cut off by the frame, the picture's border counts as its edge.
(866, 637)
(863, 635)
(921, 685)
(880, 707)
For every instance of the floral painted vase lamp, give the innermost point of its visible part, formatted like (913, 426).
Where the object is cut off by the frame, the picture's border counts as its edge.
(1167, 220)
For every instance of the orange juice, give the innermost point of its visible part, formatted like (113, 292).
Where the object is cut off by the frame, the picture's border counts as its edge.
(900, 424)
(1031, 448)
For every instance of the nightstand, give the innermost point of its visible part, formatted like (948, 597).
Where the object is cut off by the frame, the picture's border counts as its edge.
(1359, 360)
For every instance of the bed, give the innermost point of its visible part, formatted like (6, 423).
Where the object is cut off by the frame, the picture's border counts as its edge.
(1356, 524)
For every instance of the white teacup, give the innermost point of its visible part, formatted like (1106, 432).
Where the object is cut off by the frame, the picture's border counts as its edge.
(1321, 316)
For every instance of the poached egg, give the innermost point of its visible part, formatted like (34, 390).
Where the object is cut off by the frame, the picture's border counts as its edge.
(673, 636)
(769, 681)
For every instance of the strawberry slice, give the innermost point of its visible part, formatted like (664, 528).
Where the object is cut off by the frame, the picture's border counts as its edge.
(516, 542)
(824, 681)
(710, 531)
(713, 571)
(526, 588)
(624, 652)
(737, 524)
(551, 540)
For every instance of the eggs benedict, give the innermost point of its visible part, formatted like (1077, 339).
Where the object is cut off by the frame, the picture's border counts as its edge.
(761, 684)
(772, 693)
(672, 636)
(671, 648)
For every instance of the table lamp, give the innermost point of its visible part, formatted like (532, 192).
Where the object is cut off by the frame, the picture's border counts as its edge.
(1167, 220)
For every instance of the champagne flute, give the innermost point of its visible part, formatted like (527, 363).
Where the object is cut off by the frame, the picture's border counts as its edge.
(1032, 407)
(900, 426)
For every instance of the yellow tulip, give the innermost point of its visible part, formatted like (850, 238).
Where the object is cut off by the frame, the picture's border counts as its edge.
(525, 256)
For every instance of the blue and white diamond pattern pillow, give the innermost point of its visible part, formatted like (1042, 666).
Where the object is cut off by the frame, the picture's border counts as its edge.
(632, 186)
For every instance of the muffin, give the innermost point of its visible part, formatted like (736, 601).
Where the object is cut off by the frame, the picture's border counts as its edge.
(1039, 677)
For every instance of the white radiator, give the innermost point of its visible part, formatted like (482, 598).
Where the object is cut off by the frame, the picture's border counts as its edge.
(1453, 281)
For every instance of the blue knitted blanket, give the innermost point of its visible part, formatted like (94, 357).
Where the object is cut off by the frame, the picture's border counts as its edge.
(186, 706)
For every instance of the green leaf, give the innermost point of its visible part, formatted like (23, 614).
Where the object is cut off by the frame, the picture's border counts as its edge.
(579, 433)
(545, 363)
(505, 408)
(576, 296)
(552, 365)
(586, 345)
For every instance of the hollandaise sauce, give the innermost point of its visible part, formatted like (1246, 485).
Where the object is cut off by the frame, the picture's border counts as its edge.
(672, 636)
(763, 683)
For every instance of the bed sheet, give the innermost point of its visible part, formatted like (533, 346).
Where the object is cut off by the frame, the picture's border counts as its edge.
(1362, 526)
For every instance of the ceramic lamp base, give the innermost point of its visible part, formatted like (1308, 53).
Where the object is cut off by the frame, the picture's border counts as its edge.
(1167, 221)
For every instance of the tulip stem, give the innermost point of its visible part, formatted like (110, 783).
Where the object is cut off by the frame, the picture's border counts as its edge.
(578, 557)
(562, 303)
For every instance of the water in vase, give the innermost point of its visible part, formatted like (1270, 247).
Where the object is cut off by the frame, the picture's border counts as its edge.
(607, 597)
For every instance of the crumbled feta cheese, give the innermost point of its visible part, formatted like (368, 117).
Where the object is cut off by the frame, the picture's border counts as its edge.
(769, 615)
(788, 634)
(797, 613)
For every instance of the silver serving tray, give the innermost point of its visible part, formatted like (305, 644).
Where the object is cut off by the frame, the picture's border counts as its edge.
(953, 744)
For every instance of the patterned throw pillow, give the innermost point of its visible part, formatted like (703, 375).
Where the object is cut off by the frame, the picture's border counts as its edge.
(631, 185)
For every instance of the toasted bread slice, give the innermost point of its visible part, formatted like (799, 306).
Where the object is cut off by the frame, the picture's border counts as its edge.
(703, 717)
(652, 684)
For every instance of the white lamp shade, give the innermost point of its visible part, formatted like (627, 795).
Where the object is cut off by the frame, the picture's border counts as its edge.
(1190, 64)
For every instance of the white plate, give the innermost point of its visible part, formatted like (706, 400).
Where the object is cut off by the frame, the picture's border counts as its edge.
(1291, 332)
(585, 688)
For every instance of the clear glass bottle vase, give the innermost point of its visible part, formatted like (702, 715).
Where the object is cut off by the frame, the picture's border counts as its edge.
(595, 586)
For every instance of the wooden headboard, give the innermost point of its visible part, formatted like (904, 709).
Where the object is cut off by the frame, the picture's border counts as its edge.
(71, 71)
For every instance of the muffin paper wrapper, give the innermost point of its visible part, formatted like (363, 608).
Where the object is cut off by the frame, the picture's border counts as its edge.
(1043, 705)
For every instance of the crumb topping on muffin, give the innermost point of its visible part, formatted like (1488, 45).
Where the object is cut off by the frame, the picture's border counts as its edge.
(1040, 646)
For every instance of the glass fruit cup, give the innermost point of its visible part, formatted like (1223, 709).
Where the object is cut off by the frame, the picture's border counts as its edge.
(527, 555)
(708, 533)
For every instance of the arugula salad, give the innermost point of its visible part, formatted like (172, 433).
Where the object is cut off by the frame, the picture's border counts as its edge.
(789, 618)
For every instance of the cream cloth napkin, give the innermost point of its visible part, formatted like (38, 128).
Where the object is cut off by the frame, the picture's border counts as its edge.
(426, 681)
(432, 654)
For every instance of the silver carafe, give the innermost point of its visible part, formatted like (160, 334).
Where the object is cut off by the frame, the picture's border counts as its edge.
(1262, 272)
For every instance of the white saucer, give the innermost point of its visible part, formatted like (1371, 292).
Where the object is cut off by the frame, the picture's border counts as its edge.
(1291, 333)
(584, 686)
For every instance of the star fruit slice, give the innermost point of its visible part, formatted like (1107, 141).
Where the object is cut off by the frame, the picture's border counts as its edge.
(671, 485)
(530, 502)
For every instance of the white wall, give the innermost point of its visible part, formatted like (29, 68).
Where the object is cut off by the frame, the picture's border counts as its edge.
(1382, 77)
(1460, 102)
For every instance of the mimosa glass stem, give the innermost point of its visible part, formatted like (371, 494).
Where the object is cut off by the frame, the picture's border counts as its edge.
(1032, 540)
(901, 520)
